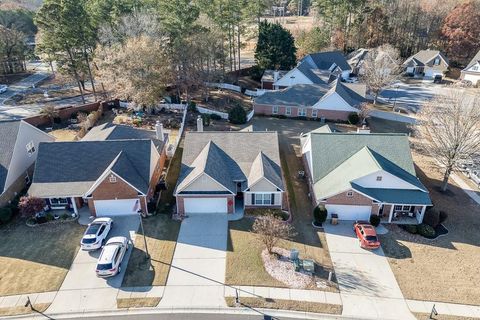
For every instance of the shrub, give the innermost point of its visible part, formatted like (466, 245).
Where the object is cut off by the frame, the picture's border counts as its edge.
(426, 230)
(353, 118)
(192, 106)
(151, 206)
(49, 216)
(5, 214)
(277, 213)
(215, 116)
(137, 122)
(375, 220)
(442, 216)
(237, 115)
(64, 216)
(30, 205)
(411, 228)
(432, 218)
(57, 120)
(206, 119)
(320, 215)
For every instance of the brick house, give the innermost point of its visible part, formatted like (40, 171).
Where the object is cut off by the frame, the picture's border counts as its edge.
(114, 170)
(18, 151)
(426, 63)
(335, 101)
(224, 172)
(356, 175)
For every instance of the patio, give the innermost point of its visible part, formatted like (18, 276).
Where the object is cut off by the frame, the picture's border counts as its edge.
(402, 214)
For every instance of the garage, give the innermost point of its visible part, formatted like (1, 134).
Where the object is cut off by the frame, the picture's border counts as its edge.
(120, 207)
(347, 212)
(205, 205)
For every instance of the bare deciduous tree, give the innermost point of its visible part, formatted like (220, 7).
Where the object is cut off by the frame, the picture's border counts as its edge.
(364, 112)
(271, 229)
(449, 130)
(49, 112)
(380, 68)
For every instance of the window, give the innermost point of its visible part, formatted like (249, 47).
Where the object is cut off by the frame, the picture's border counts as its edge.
(30, 148)
(288, 112)
(302, 112)
(27, 179)
(58, 201)
(263, 198)
(379, 178)
(350, 194)
(406, 208)
(314, 113)
(437, 61)
(332, 67)
(474, 68)
(397, 208)
(275, 109)
(112, 179)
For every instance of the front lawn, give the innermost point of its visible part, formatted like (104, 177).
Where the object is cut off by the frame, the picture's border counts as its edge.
(445, 269)
(36, 259)
(161, 232)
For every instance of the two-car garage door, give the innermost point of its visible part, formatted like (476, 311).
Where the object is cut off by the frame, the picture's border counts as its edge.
(205, 205)
(347, 212)
(120, 207)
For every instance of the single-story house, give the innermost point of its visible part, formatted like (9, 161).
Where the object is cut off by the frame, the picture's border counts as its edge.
(225, 172)
(335, 101)
(426, 63)
(356, 59)
(356, 175)
(269, 77)
(472, 70)
(316, 68)
(114, 170)
(18, 151)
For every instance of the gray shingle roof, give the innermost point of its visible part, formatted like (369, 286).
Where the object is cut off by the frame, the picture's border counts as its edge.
(323, 60)
(352, 93)
(473, 61)
(317, 76)
(8, 133)
(268, 75)
(305, 95)
(229, 157)
(262, 167)
(71, 168)
(422, 57)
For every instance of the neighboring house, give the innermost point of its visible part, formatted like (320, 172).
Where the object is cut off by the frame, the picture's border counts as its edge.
(356, 175)
(114, 170)
(472, 70)
(225, 172)
(335, 101)
(355, 59)
(316, 68)
(18, 152)
(269, 77)
(426, 63)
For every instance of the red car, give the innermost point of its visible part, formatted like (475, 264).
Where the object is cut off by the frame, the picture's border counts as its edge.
(366, 234)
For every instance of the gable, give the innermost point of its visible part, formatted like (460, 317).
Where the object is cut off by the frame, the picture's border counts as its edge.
(474, 68)
(112, 187)
(334, 101)
(263, 185)
(293, 77)
(203, 183)
(388, 181)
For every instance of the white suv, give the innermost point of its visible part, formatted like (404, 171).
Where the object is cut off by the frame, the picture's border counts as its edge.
(109, 262)
(3, 88)
(96, 234)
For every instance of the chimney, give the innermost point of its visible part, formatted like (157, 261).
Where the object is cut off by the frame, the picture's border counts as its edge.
(159, 130)
(363, 129)
(275, 75)
(199, 124)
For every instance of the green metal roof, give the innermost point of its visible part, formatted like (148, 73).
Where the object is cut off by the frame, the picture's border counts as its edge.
(400, 196)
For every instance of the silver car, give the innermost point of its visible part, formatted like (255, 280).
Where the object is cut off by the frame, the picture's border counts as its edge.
(3, 88)
(110, 260)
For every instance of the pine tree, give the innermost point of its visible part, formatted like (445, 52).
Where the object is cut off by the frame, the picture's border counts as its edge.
(275, 47)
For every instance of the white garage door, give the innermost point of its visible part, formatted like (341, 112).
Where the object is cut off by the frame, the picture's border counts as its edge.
(205, 205)
(120, 207)
(473, 78)
(346, 212)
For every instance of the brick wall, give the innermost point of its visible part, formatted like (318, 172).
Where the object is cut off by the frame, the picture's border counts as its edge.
(15, 188)
(327, 114)
(181, 207)
(357, 199)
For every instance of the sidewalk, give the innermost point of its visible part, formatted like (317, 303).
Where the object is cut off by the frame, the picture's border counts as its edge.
(442, 308)
(465, 187)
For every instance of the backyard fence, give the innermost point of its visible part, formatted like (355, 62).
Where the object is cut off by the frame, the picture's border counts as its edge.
(255, 93)
(203, 110)
(250, 115)
(224, 86)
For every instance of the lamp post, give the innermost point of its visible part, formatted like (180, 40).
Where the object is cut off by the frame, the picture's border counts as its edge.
(395, 99)
(147, 256)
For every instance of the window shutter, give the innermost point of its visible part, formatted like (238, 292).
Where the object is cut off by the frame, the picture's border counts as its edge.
(273, 199)
(253, 198)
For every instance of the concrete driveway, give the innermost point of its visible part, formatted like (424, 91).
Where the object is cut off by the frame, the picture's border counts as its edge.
(197, 273)
(82, 290)
(367, 285)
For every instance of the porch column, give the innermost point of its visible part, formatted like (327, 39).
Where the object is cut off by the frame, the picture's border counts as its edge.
(422, 214)
(74, 205)
(391, 213)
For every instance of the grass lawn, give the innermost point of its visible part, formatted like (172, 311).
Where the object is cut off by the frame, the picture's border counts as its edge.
(36, 259)
(15, 311)
(426, 316)
(161, 232)
(281, 304)
(124, 303)
(63, 134)
(445, 269)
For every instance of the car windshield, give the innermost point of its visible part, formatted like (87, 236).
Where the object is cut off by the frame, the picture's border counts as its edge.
(93, 228)
(104, 266)
(371, 238)
(89, 240)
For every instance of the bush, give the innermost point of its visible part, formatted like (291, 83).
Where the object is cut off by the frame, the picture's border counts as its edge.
(30, 205)
(426, 230)
(256, 73)
(277, 213)
(411, 228)
(206, 119)
(353, 118)
(57, 120)
(442, 216)
(5, 214)
(320, 215)
(215, 116)
(375, 220)
(192, 107)
(151, 206)
(49, 216)
(432, 218)
(137, 122)
(237, 115)
(64, 216)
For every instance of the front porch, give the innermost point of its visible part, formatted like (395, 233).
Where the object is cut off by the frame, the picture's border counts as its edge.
(402, 213)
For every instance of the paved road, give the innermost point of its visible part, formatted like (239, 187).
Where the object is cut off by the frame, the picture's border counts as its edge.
(23, 85)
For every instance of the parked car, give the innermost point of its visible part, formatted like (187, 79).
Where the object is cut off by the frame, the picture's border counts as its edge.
(366, 234)
(464, 84)
(110, 260)
(96, 234)
(3, 88)
(351, 80)
(437, 79)
(474, 175)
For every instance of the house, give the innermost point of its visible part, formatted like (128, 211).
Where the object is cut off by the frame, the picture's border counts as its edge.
(356, 175)
(426, 63)
(114, 170)
(335, 101)
(269, 77)
(356, 58)
(472, 70)
(225, 172)
(316, 68)
(18, 152)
